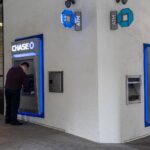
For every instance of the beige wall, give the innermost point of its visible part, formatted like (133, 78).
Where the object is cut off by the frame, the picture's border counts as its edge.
(120, 53)
(95, 63)
(76, 110)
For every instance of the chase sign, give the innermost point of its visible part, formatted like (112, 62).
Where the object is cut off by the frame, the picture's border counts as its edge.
(23, 46)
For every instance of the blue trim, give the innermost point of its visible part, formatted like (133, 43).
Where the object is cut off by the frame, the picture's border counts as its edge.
(146, 88)
(41, 75)
(24, 55)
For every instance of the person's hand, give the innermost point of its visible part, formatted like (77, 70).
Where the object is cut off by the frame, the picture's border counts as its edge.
(32, 93)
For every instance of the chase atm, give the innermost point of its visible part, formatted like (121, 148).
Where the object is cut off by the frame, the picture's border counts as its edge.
(30, 49)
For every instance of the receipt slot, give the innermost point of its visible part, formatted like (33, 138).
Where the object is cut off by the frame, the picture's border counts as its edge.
(30, 50)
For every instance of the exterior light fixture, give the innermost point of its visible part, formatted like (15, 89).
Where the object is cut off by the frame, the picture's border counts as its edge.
(1, 24)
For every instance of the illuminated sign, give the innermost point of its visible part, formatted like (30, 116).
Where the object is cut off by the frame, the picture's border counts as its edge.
(23, 46)
(24, 55)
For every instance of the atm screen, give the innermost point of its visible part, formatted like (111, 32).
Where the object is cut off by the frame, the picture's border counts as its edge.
(29, 101)
(31, 86)
(30, 74)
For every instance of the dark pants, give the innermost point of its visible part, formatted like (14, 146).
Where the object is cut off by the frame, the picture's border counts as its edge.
(12, 104)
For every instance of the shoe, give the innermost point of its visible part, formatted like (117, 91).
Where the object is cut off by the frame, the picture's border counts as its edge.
(17, 123)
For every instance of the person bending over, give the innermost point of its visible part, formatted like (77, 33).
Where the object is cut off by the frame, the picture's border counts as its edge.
(16, 78)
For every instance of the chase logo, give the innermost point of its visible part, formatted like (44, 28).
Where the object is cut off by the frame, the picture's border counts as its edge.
(71, 19)
(68, 18)
(125, 17)
(23, 46)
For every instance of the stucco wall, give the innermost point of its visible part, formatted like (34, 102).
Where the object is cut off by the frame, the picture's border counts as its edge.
(120, 53)
(76, 110)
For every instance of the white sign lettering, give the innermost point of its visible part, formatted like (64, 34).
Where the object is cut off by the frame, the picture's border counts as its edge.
(78, 20)
(78, 24)
(113, 20)
(23, 47)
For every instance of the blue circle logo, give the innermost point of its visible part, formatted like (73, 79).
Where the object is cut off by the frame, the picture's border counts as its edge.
(68, 18)
(125, 17)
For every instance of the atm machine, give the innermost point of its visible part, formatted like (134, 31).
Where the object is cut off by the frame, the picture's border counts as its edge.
(30, 49)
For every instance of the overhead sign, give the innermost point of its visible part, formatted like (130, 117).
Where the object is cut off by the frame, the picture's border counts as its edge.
(125, 17)
(25, 45)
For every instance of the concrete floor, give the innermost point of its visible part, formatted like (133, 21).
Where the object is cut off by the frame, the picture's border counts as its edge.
(34, 137)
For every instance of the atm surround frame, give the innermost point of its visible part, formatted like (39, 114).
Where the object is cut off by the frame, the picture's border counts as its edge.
(41, 114)
(146, 88)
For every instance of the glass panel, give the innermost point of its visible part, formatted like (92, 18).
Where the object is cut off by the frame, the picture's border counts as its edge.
(29, 102)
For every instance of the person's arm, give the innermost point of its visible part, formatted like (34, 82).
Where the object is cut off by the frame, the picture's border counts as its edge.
(26, 83)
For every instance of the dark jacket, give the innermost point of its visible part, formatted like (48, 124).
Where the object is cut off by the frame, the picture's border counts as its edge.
(16, 78)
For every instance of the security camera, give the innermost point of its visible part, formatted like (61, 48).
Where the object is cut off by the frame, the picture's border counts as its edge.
(117, 1)
(124, 1)
(69, 2)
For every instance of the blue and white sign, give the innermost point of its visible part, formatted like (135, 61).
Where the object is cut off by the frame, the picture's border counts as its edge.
(23, 46)
(71, 19)
(125, 17)
(68, 18)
